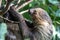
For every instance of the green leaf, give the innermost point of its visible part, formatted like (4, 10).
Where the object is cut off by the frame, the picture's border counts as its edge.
(55, 2)
(3, 31)
(57, 13)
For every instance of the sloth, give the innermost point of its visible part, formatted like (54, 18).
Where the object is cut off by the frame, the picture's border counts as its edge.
(43, 27)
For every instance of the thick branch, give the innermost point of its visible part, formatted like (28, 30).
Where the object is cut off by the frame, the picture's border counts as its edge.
(26, 3)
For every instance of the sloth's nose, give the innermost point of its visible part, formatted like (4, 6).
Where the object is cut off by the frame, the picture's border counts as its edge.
(31, 11)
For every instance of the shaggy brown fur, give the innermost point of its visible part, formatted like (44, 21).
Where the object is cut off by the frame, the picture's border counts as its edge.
(43, 28)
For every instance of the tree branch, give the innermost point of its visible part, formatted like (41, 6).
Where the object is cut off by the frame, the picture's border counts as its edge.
(24, 11)
(7, 5)
(8, 20)
(8, 2)
(26, 3)
(16, 3)
(0, 3)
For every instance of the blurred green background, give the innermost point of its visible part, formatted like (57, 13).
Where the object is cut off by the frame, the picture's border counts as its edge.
(53, 9)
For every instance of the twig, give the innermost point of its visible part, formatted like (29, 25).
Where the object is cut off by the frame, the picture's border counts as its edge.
(0, 2)
(8, 20)
(28, 20)
(8, 2)
(23, 12)
(7, 5)
(17, 2)
(26, 3)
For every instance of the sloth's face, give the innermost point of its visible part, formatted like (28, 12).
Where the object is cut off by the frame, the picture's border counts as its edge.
(37, 13)
(39, 16)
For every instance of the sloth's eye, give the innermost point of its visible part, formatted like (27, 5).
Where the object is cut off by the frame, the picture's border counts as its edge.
(34, 12)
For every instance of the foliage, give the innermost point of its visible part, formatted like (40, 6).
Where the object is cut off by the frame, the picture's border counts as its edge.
(3, 30)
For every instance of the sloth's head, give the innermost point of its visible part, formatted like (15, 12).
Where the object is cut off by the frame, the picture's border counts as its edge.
(41, 20)
(39, 15)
